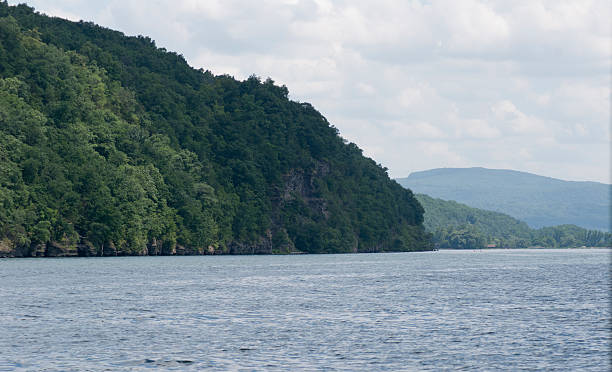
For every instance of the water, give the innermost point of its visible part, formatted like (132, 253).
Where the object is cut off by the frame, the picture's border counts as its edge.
(485, 310)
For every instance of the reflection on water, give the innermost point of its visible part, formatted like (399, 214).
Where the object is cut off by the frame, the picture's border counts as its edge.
(498, 309)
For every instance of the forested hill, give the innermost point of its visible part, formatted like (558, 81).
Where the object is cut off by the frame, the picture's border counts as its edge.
(539, 201)
(112, 146)
(457, 226)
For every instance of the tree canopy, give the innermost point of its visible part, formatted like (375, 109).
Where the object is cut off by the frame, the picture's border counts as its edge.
(537, 200)
(455, 225)
(110, 145)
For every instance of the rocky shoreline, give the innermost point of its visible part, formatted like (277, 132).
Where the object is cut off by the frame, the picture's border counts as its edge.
(84, 248)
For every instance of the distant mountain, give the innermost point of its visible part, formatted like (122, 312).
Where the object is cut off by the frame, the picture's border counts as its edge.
(457, 226)
(537, 200)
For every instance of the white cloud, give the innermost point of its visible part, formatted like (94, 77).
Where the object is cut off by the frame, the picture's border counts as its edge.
(441, 150)
(412, 131)
(474, 128)
(579, 99)
(516, 121)
(521, 84)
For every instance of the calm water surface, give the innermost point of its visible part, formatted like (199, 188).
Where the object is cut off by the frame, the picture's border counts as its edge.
(485, 310)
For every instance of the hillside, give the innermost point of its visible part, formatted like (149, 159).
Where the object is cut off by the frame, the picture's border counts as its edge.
(539, 201)
(112, 146)
(455, 225)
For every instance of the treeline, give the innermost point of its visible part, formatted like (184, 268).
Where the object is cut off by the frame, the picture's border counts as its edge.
(110, 145)
(537, 200)
(458, 226)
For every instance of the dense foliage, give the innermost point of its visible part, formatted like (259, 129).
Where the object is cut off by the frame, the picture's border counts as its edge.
(110, 145)
(456, 225)
(539, 201)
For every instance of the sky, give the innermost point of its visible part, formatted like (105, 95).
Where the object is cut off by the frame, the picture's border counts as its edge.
(522, 84)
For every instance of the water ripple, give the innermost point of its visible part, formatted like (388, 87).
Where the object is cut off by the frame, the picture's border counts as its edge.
(447, 310)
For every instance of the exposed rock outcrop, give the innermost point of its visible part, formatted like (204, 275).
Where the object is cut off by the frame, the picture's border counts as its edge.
(56, 249)
(86, 249)
(6, 248)
(109, 249)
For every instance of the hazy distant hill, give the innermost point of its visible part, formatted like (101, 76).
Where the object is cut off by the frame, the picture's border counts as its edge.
(455, 225)
(539, 201)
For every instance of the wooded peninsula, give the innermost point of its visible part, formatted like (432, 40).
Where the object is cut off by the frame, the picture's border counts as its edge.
(110, 145)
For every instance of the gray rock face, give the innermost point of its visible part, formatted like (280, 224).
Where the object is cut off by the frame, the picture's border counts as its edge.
(6, 248)
(109, 249)
(86, 249)
(154, 248)
(55, 249)
(168, 249)
(263, 246)
(39, 250)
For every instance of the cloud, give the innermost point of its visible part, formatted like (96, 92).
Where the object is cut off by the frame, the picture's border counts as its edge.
(474, 129)
(516, 121)
(418, 84)
(418, 130)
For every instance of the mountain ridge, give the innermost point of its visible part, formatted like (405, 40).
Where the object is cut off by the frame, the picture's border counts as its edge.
(112, 146)
(423, 173)
(538, 200)
(458, 226)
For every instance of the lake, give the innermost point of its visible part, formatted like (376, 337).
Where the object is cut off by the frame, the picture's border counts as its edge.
(473, 310)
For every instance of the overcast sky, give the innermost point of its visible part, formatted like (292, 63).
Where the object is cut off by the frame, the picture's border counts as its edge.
(515, 84)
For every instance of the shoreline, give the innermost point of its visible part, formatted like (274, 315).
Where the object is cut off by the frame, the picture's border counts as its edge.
(306, 254)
